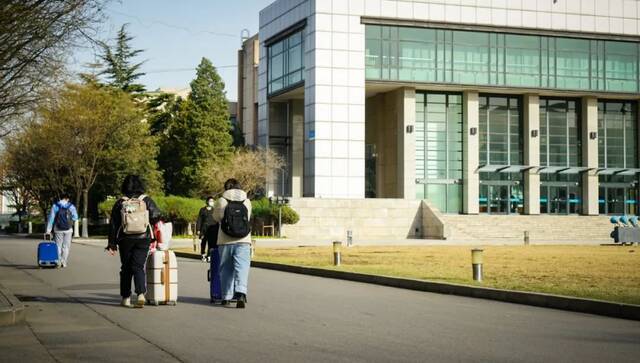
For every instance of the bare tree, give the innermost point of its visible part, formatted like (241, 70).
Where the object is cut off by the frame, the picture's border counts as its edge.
(35, 36)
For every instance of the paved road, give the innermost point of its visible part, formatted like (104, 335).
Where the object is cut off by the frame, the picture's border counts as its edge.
(74, 316)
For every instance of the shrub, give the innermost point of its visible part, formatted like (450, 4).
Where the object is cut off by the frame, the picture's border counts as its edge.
(264, 209)
(106, 206)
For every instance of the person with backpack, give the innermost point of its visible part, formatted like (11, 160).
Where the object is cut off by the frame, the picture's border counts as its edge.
(233, 212)
(130, 232)
(62, 216)
(207, 228)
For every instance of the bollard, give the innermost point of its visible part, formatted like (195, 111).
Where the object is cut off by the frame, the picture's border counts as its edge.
(476, 264)
(337, 250)
(30, 228)
(253, 248)
(526, 238)
(349, 238)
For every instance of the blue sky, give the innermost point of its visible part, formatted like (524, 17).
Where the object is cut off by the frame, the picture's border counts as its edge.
(175, 35)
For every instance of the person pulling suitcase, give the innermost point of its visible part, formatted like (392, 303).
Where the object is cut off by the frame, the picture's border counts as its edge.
(62, 216)
(130, 233)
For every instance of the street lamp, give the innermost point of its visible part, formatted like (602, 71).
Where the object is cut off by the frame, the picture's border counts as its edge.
(279, 201)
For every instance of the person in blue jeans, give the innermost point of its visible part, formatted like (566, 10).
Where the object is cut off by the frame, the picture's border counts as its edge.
(61, 219)
(233, 212)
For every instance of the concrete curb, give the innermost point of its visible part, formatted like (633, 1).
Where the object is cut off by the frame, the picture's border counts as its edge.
(11, 309)
(588, 306)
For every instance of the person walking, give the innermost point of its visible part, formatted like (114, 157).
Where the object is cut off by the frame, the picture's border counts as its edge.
(132, 218)
(233, 212)
(61, 219)
(207, 228)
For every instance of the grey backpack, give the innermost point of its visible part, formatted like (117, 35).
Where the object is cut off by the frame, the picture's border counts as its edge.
(135, 215)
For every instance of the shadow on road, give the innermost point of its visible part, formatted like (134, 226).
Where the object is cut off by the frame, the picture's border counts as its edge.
(97, 286)
(21, 267)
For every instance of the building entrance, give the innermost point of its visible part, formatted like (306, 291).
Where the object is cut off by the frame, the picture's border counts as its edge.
(618, 198)
(501, 198)
(562, 199)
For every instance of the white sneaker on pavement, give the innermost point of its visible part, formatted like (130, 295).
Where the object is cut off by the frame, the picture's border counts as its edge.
(126, 302)
(140, 301)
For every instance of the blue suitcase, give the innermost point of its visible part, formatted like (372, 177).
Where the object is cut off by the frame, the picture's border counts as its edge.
(213, 275)
(48, 254)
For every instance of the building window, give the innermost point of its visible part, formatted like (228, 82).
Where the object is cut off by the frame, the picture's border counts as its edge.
(560, 144)
(618, 157)
(501, 147)
(500, 131)
(483, 58)
(618, 135)
(286, 63)
(560, 156)
(438, 135)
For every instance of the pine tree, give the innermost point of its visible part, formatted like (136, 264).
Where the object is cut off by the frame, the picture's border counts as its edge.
(201, 132)
(120, 70)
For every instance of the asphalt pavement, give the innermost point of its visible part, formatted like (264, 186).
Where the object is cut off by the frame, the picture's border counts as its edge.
(73, 314)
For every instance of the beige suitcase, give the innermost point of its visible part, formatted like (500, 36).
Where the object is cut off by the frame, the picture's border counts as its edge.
(162, 278)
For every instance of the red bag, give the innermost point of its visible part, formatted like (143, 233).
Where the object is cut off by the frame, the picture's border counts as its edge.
(162, 232)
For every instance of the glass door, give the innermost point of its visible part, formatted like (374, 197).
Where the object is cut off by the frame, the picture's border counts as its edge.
(618, 200)
(501, 199)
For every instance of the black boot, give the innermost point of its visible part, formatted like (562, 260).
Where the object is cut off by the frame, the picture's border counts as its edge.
(241, 301)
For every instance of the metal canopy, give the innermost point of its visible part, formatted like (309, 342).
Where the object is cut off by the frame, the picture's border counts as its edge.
(618, 171)
(562, 169)
(504, 168)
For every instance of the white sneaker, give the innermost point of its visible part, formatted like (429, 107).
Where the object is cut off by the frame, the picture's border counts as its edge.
(140, 301)
(204, 258)
(208, 259)
(126, 302)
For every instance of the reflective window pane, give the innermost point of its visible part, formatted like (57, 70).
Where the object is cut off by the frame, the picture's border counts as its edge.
(483, 58)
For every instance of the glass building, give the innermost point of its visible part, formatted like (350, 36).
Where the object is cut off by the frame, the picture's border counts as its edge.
(508, 113)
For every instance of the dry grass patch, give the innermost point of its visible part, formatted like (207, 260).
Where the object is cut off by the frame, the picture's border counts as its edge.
(605, 273)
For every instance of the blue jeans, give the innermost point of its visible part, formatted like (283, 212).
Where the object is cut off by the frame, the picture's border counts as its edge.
(235, 261)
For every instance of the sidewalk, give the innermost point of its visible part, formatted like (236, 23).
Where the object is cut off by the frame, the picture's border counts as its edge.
(11, 309)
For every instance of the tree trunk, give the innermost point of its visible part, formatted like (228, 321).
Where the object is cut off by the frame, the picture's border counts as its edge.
(85, 203)
(85, 216)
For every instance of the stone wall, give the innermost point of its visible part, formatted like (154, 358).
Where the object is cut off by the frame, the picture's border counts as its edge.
(367, 218)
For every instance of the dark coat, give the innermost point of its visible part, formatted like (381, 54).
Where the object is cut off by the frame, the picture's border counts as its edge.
(205, 221)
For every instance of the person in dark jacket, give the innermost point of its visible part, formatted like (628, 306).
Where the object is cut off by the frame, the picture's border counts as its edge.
(133, 248)
(207, 229)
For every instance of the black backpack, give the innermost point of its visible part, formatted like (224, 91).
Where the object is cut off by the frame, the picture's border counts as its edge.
(235, 222)
(63, 217)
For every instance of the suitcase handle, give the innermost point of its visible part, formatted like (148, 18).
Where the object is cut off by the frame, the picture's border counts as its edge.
(47, 237)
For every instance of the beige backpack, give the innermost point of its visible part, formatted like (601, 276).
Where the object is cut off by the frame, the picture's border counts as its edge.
(135, 216)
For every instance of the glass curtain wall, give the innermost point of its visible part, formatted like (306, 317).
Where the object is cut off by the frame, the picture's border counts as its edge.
(501, 146)
(286, 63)
(618, 157)
(438, 135)
(560, 156)
(482, 58)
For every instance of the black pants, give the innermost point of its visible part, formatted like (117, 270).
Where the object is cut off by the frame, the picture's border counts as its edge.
(133, 256)
(210, 238)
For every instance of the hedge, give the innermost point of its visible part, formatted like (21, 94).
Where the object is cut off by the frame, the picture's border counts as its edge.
(185, 210)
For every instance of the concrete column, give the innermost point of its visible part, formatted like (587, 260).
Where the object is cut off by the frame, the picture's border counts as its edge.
(531, 154)
(406, 161)
(471, 153)
(590, 156)
(297, 152)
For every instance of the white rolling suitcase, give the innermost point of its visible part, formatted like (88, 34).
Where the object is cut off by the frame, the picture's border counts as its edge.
(162, 278)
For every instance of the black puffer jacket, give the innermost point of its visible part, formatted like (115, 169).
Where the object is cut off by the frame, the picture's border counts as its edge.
(115, 225)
